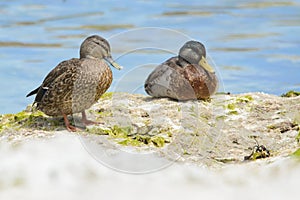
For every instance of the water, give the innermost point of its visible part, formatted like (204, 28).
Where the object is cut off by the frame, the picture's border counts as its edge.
(255, 45)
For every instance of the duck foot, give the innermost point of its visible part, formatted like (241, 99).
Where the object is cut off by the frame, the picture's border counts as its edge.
(72, 128)
(68, 125)
(84, 120)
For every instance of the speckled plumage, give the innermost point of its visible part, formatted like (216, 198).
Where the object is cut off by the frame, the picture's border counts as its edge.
(76, 84)
(79, 85)
(183, 77)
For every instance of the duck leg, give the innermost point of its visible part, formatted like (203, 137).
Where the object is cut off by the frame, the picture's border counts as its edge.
(85, 121)
(68, 125)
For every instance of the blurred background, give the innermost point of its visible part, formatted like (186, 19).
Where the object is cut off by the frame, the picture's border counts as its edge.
(254, 45)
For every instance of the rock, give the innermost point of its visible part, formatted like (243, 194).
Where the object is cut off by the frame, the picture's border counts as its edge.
(224, 130)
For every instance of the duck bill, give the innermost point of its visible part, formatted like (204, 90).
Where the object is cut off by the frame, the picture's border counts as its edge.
(113, 63)
(203, 62)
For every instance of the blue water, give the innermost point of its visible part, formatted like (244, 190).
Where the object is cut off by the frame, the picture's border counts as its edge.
(254, 45)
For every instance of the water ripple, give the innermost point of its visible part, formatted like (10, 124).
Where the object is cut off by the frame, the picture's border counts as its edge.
(22, 44)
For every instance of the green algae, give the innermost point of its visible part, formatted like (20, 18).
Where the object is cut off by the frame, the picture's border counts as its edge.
(296, 154)
(139, 140)
(143, 139)
(231, 106)
(169, 133)
(159, 141)
(244, 99)
(232, 109)
(233, 112)
(239, 102)
(258, 151)
(125, 136)
(258, 154)
(121, 132)
(291, 93)
(185, 152)
(27, 119)
(130, 142)
(114, 131)
(98, 131)
(107, 95)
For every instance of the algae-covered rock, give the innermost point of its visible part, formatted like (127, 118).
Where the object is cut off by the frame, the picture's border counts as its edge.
(27, 120)
(124, 136)
(214, 132)
(29, 123)
(291, 93)
(221, 129)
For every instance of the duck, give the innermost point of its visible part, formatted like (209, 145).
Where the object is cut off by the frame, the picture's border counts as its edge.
(187, 76)
(76, 84)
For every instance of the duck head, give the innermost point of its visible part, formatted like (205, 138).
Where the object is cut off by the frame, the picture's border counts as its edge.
(193, 52)
(96, 47)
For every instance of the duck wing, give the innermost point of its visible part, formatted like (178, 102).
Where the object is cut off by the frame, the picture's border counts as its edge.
(167, 80)
(58, 70)
(62, 71)
(203, 82)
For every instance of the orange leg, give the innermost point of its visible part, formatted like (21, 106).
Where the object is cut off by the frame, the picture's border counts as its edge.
(68, 125)
(85, 121)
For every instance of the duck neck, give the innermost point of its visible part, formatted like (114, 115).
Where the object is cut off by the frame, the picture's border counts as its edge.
(182, 62)
(88, 56)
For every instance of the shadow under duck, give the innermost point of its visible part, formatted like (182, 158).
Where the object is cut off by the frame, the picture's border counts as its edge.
(75, 85)
(187, 76)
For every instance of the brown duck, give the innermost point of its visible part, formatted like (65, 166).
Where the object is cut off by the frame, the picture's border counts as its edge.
(75, 85)
(184, 77)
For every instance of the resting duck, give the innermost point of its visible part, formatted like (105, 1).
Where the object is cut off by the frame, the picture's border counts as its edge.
(75, 85)
(184, 77)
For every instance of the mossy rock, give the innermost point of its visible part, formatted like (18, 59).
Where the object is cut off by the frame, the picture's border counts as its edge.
(27, 119)
(124, 136)
(296, 154)
(107, 95)
(244, 99)
(291, 93)
(231, 106)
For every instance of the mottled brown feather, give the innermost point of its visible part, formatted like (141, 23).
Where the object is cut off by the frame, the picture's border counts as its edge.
(73, 86)
(188, 82)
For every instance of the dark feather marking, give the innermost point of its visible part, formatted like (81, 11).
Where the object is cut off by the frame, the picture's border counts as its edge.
(33, 92)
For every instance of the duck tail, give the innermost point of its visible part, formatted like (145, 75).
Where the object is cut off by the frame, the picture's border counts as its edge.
(33, 92)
